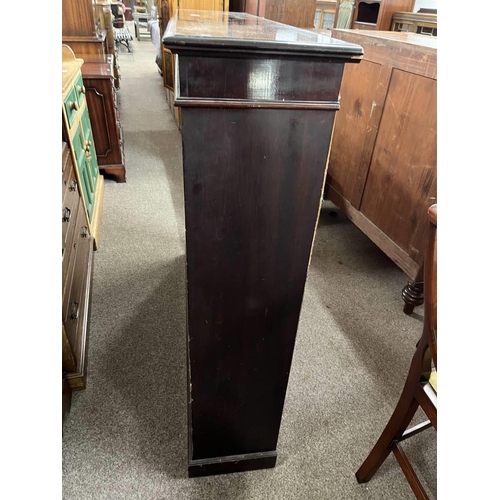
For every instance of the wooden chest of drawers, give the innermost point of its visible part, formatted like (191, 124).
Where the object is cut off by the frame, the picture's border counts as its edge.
(97, 73)
(77, 262)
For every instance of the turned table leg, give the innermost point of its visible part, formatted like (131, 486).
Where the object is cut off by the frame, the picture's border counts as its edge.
(413, 296)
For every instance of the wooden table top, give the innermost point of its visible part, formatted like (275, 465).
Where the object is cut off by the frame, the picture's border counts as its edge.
(97, 66)
(241, 32)
(404, 37)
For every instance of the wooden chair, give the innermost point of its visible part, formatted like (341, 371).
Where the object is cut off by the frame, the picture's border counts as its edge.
(142, 15)
(121, 32)
(420, 389)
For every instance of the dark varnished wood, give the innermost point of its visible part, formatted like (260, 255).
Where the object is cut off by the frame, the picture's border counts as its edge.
(413, 296)
(247, 258)
(270, 79)
(98, 78)
(255, 144)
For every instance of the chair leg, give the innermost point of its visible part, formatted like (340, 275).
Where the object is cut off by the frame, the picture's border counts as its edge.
(409, 472)
(398, 423)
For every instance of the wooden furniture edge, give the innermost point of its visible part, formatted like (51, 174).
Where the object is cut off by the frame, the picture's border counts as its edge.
(398, 255)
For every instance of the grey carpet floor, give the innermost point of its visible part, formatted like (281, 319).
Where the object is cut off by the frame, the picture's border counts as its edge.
(126, 435)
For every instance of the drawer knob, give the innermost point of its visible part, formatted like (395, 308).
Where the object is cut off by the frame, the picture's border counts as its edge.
(73, 105)
(85, 232)
(75, 309)
(72, 185)
(66, 214)
(81, 89)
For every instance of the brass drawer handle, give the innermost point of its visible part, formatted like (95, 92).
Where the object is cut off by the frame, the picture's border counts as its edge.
(81, 89)
(72, 185)
(74, 105)
(66, 214)
(75, 309)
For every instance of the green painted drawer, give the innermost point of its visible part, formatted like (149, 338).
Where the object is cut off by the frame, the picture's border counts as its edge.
(79, 89)
(71, 106)
(89, 142)
(86, 180)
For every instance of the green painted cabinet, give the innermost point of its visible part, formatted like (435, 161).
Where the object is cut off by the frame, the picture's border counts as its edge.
(77, 132)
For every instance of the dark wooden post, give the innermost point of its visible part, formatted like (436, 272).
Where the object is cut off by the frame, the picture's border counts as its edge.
(258, 102)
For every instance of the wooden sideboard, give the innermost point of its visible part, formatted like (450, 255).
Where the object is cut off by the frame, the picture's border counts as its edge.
(77, 269)
(253, 181)
(97, 72)
(382, 167)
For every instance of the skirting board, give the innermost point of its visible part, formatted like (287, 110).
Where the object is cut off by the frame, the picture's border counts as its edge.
(235, 463)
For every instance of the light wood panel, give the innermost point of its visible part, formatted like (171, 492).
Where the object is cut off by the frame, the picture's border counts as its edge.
(383, 161)
(353, 141)
(403, 168)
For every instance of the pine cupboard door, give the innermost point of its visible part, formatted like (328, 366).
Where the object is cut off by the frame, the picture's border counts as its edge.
(402, 182)
(215, 5)
(362, 97)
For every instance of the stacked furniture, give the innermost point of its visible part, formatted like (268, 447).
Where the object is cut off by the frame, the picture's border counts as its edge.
(382, 167)
(105, 21)
(88, 30)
